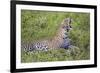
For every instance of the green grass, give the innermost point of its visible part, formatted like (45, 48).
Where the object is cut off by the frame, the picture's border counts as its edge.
(38, 25)
(43, 56)
(54, 55)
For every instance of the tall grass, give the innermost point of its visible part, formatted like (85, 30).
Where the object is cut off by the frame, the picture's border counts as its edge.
(39, 24)
(81, 34)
